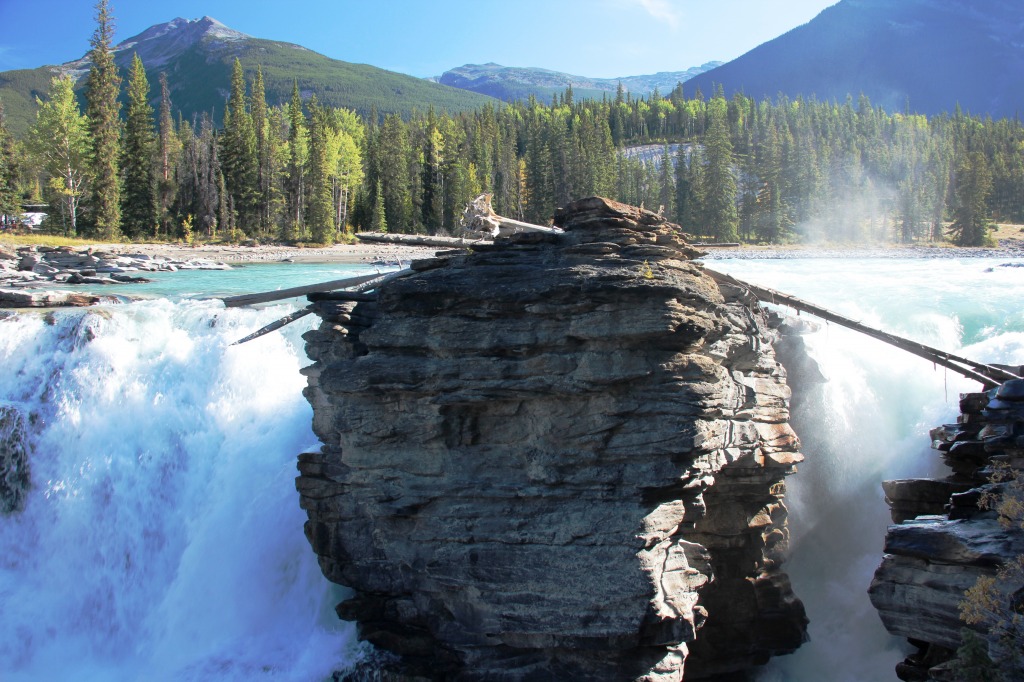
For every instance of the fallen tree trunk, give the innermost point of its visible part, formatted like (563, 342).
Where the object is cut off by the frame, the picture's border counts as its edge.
(480, 218)
(988, 375)
(418, 240)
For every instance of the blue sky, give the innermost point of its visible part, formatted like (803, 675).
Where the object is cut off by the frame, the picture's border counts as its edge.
(598, 38)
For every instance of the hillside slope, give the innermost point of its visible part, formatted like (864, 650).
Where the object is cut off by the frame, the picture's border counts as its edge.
(930, 54)
(197, 56)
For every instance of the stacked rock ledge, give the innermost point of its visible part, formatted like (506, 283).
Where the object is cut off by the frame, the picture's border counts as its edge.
(942, 540)
(558, 457)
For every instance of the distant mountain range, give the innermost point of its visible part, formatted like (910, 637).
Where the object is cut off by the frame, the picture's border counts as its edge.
(929, 55)
(510, 83)
(197, 56)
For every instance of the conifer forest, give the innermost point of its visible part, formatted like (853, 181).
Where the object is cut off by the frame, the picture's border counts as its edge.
(726, 170)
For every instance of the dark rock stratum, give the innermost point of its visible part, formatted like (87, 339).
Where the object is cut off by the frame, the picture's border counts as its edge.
(557, 457)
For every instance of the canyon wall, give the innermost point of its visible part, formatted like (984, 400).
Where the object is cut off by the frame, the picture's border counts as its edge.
(561, 456)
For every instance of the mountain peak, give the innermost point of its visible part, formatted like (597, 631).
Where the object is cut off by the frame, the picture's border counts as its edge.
(161, 43)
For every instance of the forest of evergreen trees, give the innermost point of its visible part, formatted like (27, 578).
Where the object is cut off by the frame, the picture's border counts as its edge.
(726, 170)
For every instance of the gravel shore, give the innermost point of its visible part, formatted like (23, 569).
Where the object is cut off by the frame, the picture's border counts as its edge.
(339, 253)
(390, 253)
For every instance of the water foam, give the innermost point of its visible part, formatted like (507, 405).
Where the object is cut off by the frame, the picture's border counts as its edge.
(869, 422)
(162, 538)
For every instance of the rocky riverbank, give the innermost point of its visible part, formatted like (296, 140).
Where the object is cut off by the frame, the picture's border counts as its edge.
(556, 457)
(944, 540)
(30, 266)
(29, 274)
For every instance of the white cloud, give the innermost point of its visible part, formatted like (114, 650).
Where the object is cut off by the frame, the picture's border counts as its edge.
(662, 10)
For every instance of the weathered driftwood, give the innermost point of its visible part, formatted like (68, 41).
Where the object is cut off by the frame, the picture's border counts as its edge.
(418, 240)
(281, 294)
(276, 324)
(480, 218)
(988, 375)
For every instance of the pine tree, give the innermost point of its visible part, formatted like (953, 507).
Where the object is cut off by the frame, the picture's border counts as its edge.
(320, 215)
(238, 154)
(60, 139)
(298, 152)
(720, 183)
(168, 149)
(432, 182)
(209, 172)
(379, 222)
(138, 201)
(9, 172)
(393, 156)
(258, 110)
(103, 111)
(971, 220)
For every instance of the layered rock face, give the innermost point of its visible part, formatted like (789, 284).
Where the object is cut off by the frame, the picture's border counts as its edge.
(943, 542)
(557, 457)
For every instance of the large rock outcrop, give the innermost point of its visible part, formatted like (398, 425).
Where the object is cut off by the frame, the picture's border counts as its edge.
(557, 457)
(943, 541)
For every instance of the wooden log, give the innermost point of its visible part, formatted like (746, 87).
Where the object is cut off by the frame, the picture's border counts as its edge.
(281, 294)
(988, 375)
(418, 240)
(275, 325)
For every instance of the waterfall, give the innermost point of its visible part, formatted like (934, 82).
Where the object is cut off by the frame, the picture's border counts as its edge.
(162, 537)
(869, 422)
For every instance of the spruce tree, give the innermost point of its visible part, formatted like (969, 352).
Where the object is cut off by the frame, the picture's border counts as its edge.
(103, 111)
(169, 148)
(298, 152)
(138, 201)
(719, 181)
(258, 111)
(321, 200)
(238, 154)
(971, 221)
(10, 205)
(379, 222)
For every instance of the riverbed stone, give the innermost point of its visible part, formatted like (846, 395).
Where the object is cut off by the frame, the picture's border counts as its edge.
(543, 461)
(14, 460)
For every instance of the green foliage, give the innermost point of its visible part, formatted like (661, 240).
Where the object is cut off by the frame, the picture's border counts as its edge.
(60, 143)
(186, 229)
(996, 603)
(973, 186)
(321, 205)
(138, 200)
(10, 171)
(238, 155)
(103, 112)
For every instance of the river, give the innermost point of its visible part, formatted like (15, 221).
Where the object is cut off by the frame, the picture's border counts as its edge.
(162, 537)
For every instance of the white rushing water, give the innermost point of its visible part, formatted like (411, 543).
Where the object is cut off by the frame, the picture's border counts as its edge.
(869, 423)
(162, 538)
